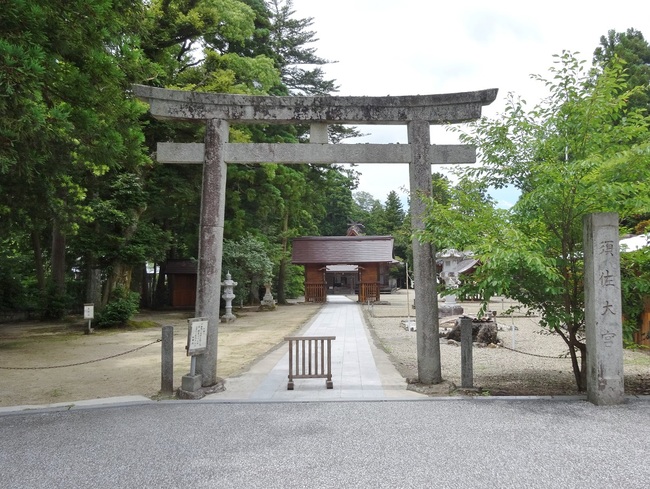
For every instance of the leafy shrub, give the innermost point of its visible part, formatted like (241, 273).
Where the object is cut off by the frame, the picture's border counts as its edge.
(54, 305)
(122, 306)
(635, 289)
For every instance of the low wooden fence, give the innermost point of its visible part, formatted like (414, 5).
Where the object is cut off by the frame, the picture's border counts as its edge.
(315, 292)
(310, 357)
(369, 291)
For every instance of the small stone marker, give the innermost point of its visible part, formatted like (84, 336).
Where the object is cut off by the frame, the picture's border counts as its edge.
(603, 309)
(167, 361)
(466, 360)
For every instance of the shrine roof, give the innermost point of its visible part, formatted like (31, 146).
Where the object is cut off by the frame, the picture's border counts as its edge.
(333, 250)
(181, 267)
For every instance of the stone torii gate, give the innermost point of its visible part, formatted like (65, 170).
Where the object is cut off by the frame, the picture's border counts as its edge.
(216, 110)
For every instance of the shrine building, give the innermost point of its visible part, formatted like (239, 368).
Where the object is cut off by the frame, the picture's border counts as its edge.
(345, 265)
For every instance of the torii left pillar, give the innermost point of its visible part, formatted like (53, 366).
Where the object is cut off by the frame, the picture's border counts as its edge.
(213, 206)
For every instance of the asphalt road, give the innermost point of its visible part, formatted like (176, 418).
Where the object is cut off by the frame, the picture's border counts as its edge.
(442, 443)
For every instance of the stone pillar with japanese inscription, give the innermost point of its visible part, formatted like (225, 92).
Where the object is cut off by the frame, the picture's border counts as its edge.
(603, 309)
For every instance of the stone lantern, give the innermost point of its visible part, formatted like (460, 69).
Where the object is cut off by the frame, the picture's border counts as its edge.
(454, 263)
(268, 303)
(451, 259)
(228, 296)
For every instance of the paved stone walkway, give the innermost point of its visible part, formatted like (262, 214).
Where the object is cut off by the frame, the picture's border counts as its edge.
(360, 370)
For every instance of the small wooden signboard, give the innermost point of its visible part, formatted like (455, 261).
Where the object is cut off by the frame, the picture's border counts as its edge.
(89, 311)
(197, 336)
(89, 314)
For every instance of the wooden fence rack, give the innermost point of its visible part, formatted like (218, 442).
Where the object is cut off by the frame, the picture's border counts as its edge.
(310, 357)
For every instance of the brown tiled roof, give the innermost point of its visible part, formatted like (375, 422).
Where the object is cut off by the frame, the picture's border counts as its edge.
(333, 250)
(182, 267)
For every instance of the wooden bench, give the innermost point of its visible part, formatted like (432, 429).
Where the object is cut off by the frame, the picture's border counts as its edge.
(310, 357)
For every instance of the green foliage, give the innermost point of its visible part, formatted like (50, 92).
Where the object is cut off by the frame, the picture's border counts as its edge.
(336, 186)
(632, 48)
(247, 260)
(67, 120)
(393, 217)
(367, 210)
(17, 285)
(121, 307)
(54, 304)
(295, 281)
(635, 288)
(464, 219)
(75, 147)
(581, 150)
(11, 288)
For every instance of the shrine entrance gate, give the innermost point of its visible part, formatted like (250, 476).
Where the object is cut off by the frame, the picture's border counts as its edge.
(417, 112)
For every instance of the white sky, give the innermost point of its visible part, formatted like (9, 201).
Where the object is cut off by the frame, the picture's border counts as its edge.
(411, 47)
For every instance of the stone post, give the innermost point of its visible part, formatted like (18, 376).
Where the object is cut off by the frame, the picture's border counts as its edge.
(318, 133)
(424, 262)
(466, 360)
(213, 203)
(603, 309)
(167, 361)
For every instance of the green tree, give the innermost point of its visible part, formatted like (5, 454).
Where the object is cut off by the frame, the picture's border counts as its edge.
(281, 201)
(464, 219)
(441, 184)
(393, 213)
(632, 49)
(581, 150)
(248, 261)
(368, 211)
(66, 118)
(393, 224)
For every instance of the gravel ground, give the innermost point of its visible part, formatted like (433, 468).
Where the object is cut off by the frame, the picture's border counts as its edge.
(539, 366)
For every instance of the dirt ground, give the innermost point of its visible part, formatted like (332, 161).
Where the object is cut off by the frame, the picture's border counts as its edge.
(29, 351)
(529, 360)
(45, 363)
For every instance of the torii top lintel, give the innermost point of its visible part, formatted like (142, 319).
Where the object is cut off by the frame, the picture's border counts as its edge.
(197, 106)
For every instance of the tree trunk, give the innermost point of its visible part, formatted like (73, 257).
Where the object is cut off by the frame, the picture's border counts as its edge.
(93, 284)
(120, 272)
(282, 278)
(93, 278)
(255, 292)
(58, 259)
(120, 277)
(140, 284)
(160, 296)
(282, 270)
(38, 260)
(579, 368)
(107, 290)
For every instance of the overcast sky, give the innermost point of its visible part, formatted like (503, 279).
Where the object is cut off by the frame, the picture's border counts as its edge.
(411, 47)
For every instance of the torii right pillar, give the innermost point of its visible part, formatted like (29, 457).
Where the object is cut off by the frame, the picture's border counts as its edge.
(424, 257)
(603, 309)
